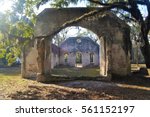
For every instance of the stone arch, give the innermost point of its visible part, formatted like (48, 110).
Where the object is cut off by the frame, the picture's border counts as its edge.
(114, 36)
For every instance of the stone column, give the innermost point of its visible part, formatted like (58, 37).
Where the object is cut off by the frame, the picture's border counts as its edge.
(102, 57)
(44, 60)
(23, 65)
(47, 59)
(109, 59)
(40, 60)
(121, 53)
(105, 59)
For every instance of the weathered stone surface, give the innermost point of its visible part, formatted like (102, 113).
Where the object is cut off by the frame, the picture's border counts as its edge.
(41, 77)
(41, 55)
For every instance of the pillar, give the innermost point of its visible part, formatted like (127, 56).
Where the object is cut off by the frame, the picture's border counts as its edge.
(44, 60)
(105, 59)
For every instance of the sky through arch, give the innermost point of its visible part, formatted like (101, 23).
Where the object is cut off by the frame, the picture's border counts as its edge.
(74, 31)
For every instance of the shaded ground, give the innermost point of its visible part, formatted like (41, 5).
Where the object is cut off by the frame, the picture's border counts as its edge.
(12, 86)
(83, 90)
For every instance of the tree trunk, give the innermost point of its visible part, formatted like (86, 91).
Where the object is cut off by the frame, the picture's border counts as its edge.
(146, 51)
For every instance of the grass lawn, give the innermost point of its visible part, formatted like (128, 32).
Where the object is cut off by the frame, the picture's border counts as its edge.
(11, 81)
(76, 72)
(9, 75)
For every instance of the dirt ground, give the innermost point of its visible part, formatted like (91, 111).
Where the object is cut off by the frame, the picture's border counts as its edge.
(91, 90)
(12, 86)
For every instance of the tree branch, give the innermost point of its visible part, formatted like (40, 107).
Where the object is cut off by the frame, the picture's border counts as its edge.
(98, 2)
(120, 5)
(126, 17)
(135, 12)
(107, 4)
(140, 2)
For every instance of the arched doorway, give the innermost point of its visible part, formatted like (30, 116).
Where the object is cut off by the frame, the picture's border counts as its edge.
(91, 57)
(77, 42)
(78, 59)
(66, 57)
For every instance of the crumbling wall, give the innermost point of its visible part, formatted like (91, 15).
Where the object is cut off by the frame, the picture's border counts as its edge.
(30, 65)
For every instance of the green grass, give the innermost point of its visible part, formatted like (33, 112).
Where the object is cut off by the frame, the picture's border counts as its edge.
(9, 74)
(76, 72)
(11, 81)
(10, 78)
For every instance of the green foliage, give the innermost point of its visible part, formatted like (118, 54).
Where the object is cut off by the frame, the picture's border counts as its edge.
(63, 3)
(59, 3)
(16, 29)
(66, 3)
(2, 53)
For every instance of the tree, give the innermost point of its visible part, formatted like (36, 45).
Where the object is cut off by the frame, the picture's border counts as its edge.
(130, 7)
(8, 47)
(16, 30)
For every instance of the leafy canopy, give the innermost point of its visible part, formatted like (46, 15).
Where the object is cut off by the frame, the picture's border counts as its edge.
(16, 29)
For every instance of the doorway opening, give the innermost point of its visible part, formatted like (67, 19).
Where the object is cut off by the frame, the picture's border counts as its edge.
(79, 60)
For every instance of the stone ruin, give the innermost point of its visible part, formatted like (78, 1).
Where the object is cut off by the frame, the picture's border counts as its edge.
(77, 52)
(114, 35)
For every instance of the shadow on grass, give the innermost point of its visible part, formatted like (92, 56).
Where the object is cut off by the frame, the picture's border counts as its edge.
(76, 90)
(134, 79)
(117, 89)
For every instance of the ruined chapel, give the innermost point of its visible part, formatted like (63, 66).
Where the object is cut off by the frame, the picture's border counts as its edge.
(75, 52)
(114, 49)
